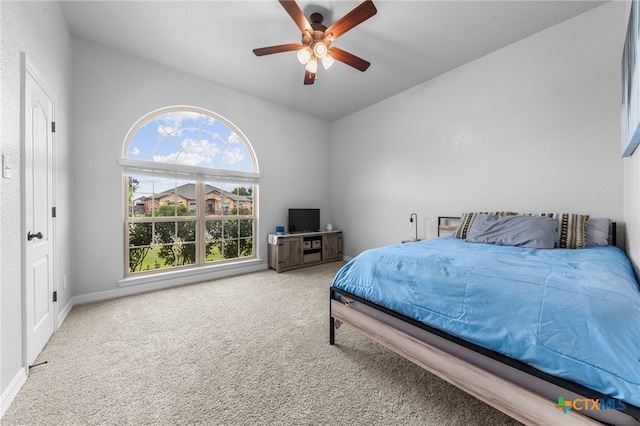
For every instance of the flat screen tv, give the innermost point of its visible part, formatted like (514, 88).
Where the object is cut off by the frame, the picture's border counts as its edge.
(304, 220)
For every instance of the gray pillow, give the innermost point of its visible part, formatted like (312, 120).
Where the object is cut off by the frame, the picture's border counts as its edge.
(521, 231)
(598, 231)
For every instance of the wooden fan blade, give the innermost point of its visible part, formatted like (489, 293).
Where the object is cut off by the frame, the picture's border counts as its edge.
(277, 49)
(348, 58)
(361, 13)
(296, 14)
(309, 77)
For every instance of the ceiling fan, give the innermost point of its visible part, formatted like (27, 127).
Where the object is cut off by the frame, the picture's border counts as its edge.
(317, 38)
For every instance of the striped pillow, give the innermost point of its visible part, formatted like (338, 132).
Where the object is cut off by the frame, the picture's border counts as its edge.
(466, 220)
(572, 229)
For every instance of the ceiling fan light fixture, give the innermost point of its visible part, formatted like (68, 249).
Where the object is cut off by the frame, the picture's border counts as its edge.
(312, 65)
(320, 49)
(304, 55)
(327, 61)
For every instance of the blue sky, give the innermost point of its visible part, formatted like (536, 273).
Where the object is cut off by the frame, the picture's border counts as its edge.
(188, 138)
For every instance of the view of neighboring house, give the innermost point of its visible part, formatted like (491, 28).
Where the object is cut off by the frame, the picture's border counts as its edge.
(218, 201)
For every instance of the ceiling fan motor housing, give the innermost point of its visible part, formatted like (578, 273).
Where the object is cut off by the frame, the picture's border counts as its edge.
(315, 38)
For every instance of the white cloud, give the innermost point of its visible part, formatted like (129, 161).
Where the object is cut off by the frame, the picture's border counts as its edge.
(172, 122)
(186, 158)
(232, 156)
(203, 144)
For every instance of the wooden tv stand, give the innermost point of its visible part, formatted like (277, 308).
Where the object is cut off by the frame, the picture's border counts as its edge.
(293, 251)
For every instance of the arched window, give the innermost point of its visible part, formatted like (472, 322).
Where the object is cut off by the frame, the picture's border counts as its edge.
(190, 188)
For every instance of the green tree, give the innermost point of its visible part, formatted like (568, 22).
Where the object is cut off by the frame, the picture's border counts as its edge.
(140, 237)
(246, 192)
(133, 187)
(177, 239)
(172, 210)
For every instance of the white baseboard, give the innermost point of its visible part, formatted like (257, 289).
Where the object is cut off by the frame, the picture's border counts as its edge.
(162, 284)
(62, 314)
(12, 391)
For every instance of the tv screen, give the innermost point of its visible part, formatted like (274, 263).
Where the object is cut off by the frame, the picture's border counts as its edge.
(304, 220)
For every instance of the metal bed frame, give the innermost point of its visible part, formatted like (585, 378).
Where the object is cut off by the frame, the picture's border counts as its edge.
(511, 386)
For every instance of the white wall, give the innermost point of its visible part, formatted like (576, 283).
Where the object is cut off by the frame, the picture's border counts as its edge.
(532, 127)
(113, 90)
(39, 30)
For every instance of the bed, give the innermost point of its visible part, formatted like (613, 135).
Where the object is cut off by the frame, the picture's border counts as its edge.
(544, 325)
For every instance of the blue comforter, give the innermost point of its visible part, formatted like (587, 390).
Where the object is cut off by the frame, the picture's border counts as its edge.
(570, 313)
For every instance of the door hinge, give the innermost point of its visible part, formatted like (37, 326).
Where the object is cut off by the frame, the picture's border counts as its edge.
(55, 296)
(53, 127)
(53, 212)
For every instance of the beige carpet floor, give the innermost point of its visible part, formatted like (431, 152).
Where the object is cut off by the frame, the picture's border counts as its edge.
(251, 349)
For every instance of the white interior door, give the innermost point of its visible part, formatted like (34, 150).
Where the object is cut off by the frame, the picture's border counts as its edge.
(38, 202)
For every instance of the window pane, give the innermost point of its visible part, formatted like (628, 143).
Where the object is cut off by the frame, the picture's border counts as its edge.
(246, 228)
(214, 251)
(165, 232)
(163, 256)
(230, 249)
(140, 234)
(213, 199)
(228, 199)
(213, 229)
(142, 145)
(229, 229)
(185, 254)
(139, 259)
(162, 189)
(246, 247)
(177, 199)
(186, 231)
(213, 239)
(243, 203)
(139, 195)
(230, 150)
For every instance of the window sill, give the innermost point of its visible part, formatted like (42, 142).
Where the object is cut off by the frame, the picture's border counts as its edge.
(190, 276)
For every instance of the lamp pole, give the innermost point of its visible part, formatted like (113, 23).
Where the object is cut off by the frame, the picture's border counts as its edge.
(414, 215)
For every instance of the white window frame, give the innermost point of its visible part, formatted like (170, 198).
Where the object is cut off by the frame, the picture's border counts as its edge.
(201, 176)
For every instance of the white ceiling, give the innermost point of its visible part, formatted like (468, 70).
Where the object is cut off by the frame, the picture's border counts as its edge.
(407, 42)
